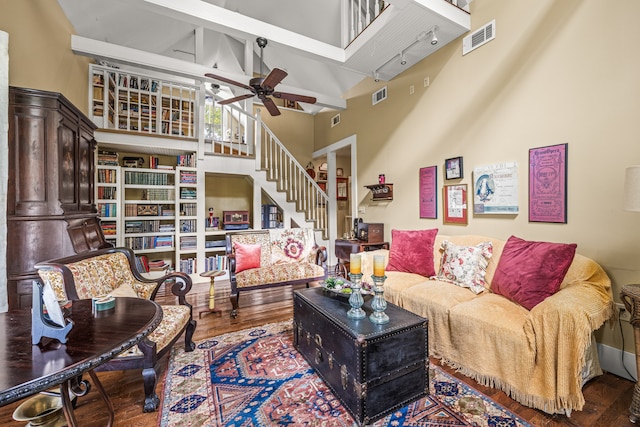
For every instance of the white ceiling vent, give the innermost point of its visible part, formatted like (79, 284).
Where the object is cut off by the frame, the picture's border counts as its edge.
(379, 96)
(479, 37)
(335, 120)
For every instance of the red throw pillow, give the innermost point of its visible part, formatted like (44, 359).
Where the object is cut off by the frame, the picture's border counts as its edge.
(412, 251)
(528, 272)
(247, 256)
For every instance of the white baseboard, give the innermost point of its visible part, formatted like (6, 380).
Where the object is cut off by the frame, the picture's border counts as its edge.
(611, 361)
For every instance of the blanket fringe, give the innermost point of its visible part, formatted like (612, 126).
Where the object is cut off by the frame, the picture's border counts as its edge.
(561, 405)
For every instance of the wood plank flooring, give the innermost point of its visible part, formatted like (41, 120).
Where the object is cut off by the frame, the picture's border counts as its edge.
(607, 397)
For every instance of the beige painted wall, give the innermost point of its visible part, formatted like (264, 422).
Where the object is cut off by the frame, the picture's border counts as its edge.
(557, 72)
(40, 50)
(228, 193)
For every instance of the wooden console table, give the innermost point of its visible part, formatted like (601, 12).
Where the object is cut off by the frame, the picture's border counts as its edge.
(29, 369)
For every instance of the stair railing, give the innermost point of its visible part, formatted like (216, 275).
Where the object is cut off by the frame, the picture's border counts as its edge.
(290, 177)
(272, 157)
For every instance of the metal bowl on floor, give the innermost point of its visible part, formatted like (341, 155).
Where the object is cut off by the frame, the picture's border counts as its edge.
(41, 410)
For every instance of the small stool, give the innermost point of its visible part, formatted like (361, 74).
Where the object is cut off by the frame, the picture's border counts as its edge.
(630, 295)
(212, 301)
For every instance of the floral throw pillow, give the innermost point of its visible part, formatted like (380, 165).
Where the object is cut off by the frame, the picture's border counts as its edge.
(465, 266)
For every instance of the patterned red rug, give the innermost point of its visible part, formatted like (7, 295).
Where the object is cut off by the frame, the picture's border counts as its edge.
(256, 378)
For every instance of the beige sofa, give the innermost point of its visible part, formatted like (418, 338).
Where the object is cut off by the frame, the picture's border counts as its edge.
(541, 358)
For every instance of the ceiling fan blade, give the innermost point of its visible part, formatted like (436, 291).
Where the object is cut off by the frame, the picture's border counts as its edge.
(270, 106)
(275, 76)
(224, 79)
(235, 99)
(294, 97)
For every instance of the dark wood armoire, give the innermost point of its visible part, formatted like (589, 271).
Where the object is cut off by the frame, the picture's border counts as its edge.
(50, 204)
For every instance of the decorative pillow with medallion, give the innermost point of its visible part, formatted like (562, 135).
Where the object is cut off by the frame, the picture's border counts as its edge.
(465, 266)
(292, 245)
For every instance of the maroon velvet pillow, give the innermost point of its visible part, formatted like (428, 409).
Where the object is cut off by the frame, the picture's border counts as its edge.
(528, 272)
(247, 256)
(412, 251)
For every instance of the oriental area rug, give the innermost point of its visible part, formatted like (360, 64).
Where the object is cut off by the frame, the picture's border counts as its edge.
(256, 378)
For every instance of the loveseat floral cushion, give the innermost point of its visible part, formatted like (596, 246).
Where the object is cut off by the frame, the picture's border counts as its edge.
(278, 273)
(465, 266)
(292, 245)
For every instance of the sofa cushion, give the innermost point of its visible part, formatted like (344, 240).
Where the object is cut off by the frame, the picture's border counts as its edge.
(253, 238)
(528, 271)
(247, 256)
(412, 251)
(279, 273)
(465, 265)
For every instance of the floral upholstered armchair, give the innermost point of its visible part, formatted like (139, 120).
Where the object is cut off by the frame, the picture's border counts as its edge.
(113, 272)
(266, 258)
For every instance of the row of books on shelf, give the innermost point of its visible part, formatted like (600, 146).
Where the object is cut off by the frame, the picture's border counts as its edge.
(186, 160)
(158, 194)
(188, 193)
(147, 178)
(107, 176)
(149, 242)
(188, 225)
(107, 193)
(107, 209)
(188, 243)
(216, 262)
(188, 265)
(109, 158)
(188, 177)
(109, 229)
(188, 209)
(154, 163)
(148, 226)
(132, 82)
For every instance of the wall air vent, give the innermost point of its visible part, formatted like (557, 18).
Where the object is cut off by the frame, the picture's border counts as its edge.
(379, 96)
(335, 120)
(479, 37)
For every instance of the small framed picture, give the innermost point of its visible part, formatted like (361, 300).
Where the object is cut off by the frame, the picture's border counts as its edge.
(455, 204)
(453, 168)
(150, 210)
(339, 172)
(322, 176)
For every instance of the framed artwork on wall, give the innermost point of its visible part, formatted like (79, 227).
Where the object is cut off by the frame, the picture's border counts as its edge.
(453, 168)
(455, 204)
(428, 192)
(548, 184)
(496, 189)
(342, 189)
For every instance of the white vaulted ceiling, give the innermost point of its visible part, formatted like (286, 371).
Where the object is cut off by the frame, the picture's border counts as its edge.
(305, 38)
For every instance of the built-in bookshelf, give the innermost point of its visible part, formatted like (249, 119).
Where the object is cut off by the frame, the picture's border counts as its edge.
(271, 216)
(149, 210)
(187, 214)
(134, 102)
(108, 202)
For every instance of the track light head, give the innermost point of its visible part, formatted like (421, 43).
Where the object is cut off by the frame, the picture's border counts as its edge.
(434, 38)
(376, 76)
(403, 60)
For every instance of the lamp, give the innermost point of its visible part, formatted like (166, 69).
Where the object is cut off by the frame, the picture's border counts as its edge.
(434, 38)
(632, 189)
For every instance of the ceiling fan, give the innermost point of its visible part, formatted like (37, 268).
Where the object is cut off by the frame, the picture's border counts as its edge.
(263, 87)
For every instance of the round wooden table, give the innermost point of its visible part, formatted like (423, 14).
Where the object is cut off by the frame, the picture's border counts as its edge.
(630, 295)
(212, 300)
(94, 339)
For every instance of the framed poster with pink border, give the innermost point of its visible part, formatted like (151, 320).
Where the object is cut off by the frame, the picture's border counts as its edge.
(428, 193)
(548, 184)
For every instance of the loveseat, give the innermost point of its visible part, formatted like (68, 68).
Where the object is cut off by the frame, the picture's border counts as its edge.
(266, 258)
(113, 272)
(540, 355)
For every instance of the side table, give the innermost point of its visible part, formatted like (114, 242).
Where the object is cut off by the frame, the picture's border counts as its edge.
(630, 295)
(212, 301)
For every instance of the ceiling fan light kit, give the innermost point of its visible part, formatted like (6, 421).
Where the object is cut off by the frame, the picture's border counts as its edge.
(263, 87)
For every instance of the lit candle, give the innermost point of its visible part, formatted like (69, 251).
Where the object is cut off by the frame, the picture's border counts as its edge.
(378, 265)
(355, 264)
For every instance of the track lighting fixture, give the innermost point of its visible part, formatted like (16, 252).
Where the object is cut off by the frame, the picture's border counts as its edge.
(434, 38)
(403, 60)
(376, 76)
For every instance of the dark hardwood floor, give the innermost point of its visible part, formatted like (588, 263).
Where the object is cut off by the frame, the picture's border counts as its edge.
(607, 397)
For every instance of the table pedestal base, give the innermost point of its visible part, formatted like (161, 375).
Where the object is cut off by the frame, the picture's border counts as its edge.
(212, 301)
(67, 405)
